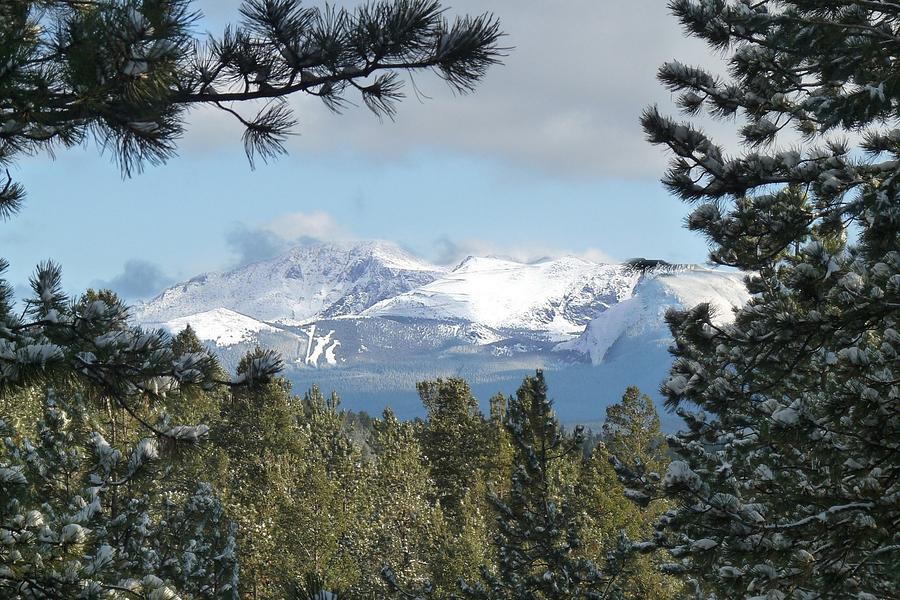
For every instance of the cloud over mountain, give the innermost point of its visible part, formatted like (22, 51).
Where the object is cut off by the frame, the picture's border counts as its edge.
(139, 279)
(254, 243)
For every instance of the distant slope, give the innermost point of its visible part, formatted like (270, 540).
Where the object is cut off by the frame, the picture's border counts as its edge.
(230, 335)
(640, 319)
(219, 326)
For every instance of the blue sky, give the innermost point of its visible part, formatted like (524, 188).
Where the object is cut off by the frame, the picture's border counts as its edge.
(530, 165)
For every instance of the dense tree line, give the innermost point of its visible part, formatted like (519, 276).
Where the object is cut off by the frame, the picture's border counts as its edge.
(290, 492)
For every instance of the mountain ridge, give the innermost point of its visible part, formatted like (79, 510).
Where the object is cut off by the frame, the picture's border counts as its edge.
(309, 281)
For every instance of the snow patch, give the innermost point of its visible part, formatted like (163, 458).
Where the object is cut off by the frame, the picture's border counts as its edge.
(221, 326)
(602, 332)
(323, 346)
(724, 291)
(642, 315)
(558, 297)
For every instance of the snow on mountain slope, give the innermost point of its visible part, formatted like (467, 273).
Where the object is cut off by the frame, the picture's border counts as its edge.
(310, 281)
(558, 297)
(321, 346)
(220, 326)
(723, 290)
(641, 319)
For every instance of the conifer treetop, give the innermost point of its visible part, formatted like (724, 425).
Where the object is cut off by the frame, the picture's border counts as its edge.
(818, 71)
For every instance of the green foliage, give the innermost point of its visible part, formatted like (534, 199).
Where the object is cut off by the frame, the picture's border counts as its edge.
(632, 443)
(93, 498)
(404, 521)
(538, 538)
(100, 487)
(301, 498)
(632, 432)
(255, 427)
(453, 439)
(461, 449)
(82, 519)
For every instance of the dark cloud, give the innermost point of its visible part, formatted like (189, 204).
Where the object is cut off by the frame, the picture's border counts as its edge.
(139, 279)
(253, 244)
(448, 251)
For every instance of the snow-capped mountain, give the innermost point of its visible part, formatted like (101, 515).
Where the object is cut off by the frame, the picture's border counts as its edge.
(642, 315)
(558, 296)
(370, 320)
(310, 281)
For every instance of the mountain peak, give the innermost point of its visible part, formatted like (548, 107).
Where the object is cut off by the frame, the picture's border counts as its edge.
(308, 281)
(323, 280)
(388, 253)
(483, 263)
(374, 318)
(493, 261)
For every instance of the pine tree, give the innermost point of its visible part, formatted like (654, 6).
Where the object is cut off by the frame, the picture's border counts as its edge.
(90, 501)
(453, 439)
(788, 477)
(326, 494)
(201, 404)
(82, 519)
(404, 522)
(632, 432)
(257, 429)
(125, 72)
(538, 539)
(500, 447)
(459, 447)
(632, 444)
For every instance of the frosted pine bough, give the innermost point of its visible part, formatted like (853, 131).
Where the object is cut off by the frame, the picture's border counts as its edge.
(80, 515)
(788, 479)
(146, 63)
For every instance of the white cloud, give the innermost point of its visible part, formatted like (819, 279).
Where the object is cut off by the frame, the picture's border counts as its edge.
(566, 102)
(450, 252)
(596, 255)
(317, 225)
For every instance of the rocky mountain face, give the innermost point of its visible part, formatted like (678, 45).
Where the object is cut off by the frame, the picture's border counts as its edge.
(369, 320)
(310, 281)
